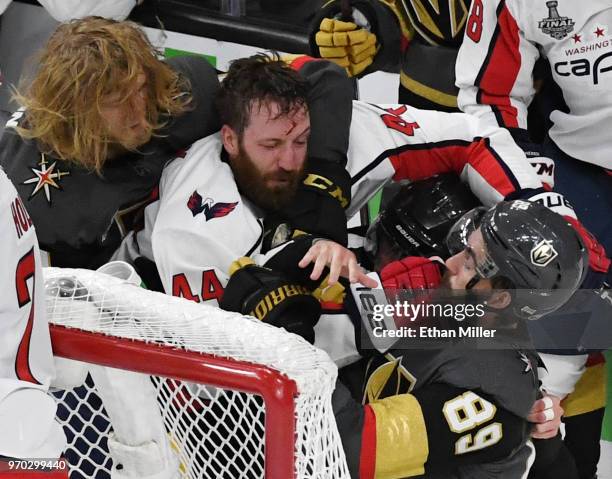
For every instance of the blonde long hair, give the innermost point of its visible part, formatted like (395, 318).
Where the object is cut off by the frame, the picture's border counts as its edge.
(84, 62)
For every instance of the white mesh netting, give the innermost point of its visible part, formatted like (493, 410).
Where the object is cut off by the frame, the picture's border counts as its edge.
(213, 432)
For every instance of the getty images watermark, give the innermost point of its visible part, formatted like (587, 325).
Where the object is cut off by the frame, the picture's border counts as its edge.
(439, 318)
(406, 311)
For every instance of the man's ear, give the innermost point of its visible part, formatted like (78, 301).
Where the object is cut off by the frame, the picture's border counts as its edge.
(230, 140)
(500, 299)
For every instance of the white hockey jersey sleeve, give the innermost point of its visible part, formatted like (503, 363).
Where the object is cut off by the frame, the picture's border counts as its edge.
(26, 362)
(398, 142)
(495, 65)
(202, 224)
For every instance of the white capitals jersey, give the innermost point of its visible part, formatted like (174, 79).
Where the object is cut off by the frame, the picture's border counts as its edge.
(201, 223)
(26, 362)
(494, 68)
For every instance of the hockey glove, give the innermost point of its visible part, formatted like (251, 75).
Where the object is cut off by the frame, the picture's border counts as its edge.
(410, 280)
(346, 44)
(271, 298)
(413, 273)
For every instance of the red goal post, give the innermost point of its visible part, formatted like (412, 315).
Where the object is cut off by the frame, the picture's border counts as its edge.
(233, 395)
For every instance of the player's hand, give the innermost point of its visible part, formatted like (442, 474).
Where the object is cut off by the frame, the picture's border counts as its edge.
(341, 262)
(271, 297)
(346, 44)
(546, 415)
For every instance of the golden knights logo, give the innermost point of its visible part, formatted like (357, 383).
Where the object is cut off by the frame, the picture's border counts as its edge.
(555, 25)
(543, 253)
(439, 22)
(388, 379)
(45, 177)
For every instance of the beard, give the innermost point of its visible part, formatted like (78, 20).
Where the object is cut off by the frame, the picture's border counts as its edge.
(253, 184)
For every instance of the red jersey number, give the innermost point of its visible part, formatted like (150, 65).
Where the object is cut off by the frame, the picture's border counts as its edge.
(394, 121)
(26, 268)
(474, 24)
(211, 287)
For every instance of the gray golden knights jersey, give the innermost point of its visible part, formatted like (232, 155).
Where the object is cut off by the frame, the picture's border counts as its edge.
(473, 402)
(502, 42)
(499, 384)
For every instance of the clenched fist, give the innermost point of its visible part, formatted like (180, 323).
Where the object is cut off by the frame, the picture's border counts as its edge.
(346, 44)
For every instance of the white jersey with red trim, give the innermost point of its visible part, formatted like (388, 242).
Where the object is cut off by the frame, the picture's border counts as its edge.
(494, 68)
(403, 143)
(26, 362)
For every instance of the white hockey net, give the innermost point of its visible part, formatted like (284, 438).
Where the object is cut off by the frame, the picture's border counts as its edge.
(235, 398)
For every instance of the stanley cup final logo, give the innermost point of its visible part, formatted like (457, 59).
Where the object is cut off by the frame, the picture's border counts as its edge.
(555, 25)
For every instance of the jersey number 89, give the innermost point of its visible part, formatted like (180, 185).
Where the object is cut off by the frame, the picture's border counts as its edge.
(465, 413)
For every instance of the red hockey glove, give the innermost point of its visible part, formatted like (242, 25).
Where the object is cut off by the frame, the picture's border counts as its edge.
(412, 272)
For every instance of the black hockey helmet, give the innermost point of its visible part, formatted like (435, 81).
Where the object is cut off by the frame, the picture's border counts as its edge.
(530, 245)
(416, 220)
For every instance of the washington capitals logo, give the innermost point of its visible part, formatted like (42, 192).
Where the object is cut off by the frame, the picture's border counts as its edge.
(45, 178)
(209, 207)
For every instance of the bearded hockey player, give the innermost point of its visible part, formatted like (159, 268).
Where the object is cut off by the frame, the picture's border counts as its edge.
(415, 222)
(27, 413)
(254, 170)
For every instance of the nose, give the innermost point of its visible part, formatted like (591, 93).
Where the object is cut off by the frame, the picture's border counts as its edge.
(289, 159)
(452, 263)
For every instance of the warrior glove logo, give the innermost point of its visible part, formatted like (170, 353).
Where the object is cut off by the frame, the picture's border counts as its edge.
(556, 26)
(543, 253)
(210, 209)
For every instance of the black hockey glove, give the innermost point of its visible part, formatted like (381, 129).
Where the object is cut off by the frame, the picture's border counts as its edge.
(271, 297)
